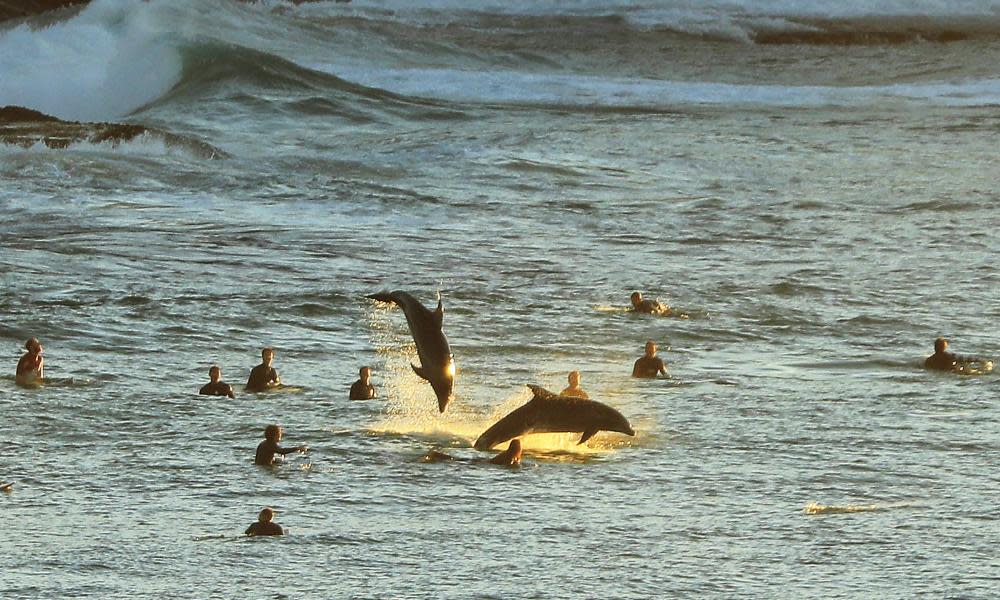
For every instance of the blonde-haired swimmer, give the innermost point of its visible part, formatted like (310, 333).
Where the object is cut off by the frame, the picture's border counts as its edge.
(649, 365)
(574, 390)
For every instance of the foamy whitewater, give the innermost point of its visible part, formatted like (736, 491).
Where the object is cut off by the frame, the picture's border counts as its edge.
(814, 185)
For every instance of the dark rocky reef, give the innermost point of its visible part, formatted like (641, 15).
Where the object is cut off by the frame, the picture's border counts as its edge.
(18, 9)
(25, 127)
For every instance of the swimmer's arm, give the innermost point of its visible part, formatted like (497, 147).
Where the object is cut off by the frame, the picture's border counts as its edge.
(284, 451)
(663, 368)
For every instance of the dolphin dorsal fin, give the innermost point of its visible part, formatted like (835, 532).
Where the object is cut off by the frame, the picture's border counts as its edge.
(439, 313)
(587, 435)
(419, 371)
(538, 392)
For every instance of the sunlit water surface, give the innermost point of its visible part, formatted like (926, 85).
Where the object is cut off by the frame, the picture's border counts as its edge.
(820, 213)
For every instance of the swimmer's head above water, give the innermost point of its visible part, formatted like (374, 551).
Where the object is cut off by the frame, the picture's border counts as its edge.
(940, 345)
(510, 457)
(636, 299)
(267, 356)
(33, 346)
(515, 449)
(215, 373)
(273, 432)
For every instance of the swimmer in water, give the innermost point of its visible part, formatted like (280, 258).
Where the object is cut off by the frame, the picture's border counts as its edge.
(649, 307)
(942, 360)
(362, 389)
(511, 457)
(216, 387)
(265, 525)
(269, 447)
(31, 366)
(263, 376)
(574, 390)
(649, 365)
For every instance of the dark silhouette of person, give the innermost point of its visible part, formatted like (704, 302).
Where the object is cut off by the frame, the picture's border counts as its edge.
(269, 447)
(263, 376)
(362, 389)
(265, 524)
(216, 387)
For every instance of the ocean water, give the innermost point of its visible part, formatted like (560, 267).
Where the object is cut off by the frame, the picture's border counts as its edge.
(815, 187)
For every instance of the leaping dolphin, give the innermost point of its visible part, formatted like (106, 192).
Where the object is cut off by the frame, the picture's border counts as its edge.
(549, 413)
(437, 365)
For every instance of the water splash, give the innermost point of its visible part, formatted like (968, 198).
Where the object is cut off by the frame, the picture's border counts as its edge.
(411, 408)
(109, 60)
(814, 508)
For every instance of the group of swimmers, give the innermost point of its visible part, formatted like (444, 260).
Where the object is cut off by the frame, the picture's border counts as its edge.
(264, 377)
(30, 371)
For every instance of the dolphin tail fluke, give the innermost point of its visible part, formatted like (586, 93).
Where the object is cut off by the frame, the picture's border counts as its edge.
(420, 373)
(586, 436)
(439, 313)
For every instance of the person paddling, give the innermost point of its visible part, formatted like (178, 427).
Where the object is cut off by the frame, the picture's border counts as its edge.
(269, 447)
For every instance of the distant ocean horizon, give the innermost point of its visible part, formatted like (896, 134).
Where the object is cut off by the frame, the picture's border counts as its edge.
(813, 189)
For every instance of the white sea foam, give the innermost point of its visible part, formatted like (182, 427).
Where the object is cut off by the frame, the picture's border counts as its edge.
(143, 145)
(102, 64)
(118, 55)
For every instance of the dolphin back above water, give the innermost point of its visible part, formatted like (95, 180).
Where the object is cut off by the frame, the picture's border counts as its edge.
(548, 413)
(437, 365)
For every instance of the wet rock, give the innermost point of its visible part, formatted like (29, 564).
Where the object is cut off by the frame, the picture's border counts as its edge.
(26, 127)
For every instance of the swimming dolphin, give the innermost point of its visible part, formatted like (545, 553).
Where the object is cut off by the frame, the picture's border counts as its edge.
(437, 365)
(549, 413)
